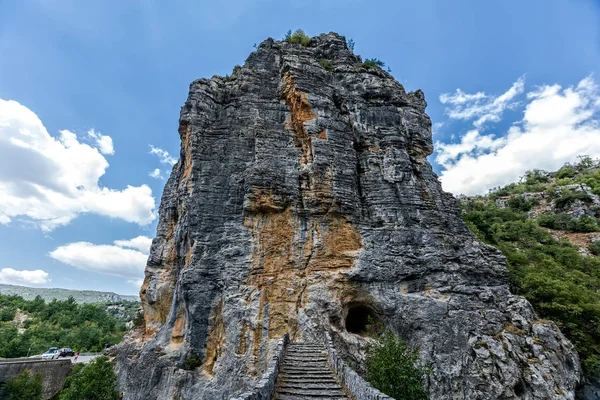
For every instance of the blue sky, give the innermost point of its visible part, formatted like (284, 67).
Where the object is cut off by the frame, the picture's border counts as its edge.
(95, 84)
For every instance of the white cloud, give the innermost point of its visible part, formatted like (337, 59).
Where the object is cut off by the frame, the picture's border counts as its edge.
(25, 277)
(156, 174)
(104, 143)
(480, 106)
(51, 180)
(163, 155)
(141, 243)
(107, 259)
(557, 126)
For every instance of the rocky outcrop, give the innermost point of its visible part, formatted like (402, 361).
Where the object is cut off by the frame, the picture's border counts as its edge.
(303, 203)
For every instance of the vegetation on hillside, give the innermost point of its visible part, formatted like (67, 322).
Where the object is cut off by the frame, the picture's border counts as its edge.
(392, 367)
(83, 327)
(96, 381)
(561, 282)
(23, 386)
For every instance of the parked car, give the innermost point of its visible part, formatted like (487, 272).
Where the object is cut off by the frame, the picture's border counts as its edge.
(51, 355)
(66, 352)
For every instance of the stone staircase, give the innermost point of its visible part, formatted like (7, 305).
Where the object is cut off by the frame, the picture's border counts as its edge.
(306, 374)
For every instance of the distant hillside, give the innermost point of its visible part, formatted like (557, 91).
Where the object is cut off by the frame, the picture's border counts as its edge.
(80, 296)
(548, 227)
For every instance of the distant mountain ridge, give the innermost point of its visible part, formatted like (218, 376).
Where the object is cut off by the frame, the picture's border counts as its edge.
(81, 296)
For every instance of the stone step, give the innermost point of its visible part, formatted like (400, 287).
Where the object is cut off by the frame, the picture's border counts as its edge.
(307, 393)
(305, 374)
(308, 363)
(291, 397)
(286, 385)
(305, 370)
(300, 380)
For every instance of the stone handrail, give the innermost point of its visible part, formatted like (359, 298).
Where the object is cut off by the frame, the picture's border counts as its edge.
(358, 387)
(265, 387)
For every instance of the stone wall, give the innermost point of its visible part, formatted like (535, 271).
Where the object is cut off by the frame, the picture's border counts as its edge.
(54, 372)
(265, 388)
(358, 387)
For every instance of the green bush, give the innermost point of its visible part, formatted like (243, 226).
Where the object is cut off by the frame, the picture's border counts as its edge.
(191, 362)
(518, 203)
(566, 222)
(326, 64)
(23, 386)
(392, 367)
(372, 63)
(560, 283)
(594, 248)
(567, 171)
(568, 198)
(297, 37)
(96, 381)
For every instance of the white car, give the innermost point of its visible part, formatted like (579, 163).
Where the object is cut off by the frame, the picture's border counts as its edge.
(51, 355)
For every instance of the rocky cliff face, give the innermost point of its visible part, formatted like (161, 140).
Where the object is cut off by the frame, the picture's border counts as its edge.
(303, 203)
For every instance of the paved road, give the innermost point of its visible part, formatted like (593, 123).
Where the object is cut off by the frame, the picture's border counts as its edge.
(83, 359)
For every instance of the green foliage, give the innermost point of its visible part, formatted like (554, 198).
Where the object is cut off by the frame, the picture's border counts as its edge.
(237, 70)
(594, 248)
(560, 283)
(23, 386)
(297, 37)
(191, 362)
(372, 63)
(84, 327)
(392, 368)
(326, 64)
(567, 222)
(568, 198)
(96, 381)
(519, 203)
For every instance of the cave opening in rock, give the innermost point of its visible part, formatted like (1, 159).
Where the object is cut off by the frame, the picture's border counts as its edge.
(361, 320)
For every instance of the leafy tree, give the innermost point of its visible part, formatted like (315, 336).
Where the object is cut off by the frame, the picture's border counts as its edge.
(392, 367)
(297, 37)
(373, 63)
(96, 381)
(350, 44)
(23, 386)
(85, 327)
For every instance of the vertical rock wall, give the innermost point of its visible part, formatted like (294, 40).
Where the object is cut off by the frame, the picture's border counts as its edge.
(304, 195)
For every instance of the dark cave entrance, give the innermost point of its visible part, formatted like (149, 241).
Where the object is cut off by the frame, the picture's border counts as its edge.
(361, 320)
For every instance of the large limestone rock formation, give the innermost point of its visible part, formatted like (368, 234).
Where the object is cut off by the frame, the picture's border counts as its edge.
(303, 203)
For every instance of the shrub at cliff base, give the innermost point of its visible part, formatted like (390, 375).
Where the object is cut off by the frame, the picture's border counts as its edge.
(96, 381)
(392, 368)
(24, 386)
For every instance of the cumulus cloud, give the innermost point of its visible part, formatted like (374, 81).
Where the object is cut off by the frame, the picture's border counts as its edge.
(156, 174)
(124, 258)
(52, 180)
(141, 243)
(558, 125)
(104, 143)
(25, 277)
(479, 106)
(163, 155)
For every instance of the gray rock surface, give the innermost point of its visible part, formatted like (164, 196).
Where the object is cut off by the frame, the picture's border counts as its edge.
(303, 203)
